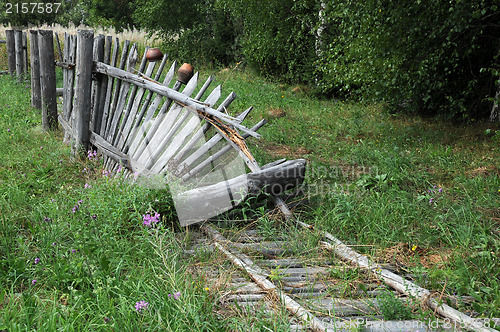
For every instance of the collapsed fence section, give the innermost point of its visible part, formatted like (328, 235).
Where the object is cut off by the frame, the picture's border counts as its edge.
(145, 119)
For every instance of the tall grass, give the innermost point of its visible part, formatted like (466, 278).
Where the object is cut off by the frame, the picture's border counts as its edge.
(74, 251)
(422, 193)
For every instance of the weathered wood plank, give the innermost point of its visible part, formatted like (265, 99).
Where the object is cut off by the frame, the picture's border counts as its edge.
(36, 92)
(174, 143)
(129, 109)
(117, 89)
(109, 90)
(145, 107)
(81, 112)
(47, 79)
(133, 105)
(18, 38)
(169, 127)
(254, 272)
(119, 106)
(96, 112)
(200, 133)
(11, 51)
(180, 98)
(189, 173)
(148, 127)
(103, 86)
(25, 52)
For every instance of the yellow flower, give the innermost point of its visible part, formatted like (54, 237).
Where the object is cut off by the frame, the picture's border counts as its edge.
(206, 288)
(414, 248)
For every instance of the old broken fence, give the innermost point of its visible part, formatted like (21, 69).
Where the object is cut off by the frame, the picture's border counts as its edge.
(155, 131)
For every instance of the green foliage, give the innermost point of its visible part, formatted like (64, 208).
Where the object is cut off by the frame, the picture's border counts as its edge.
(277, 36)
(114, 13)
(21, 13)
(392, 308)
(74, 253)
(197, 32)
(415, 55)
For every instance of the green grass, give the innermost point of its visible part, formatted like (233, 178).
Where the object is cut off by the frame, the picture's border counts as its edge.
(74, 254)
(391, 181)
(370, 180)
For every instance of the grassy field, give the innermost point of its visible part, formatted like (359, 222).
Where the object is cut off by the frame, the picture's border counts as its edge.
(75, 252)
(418, 192)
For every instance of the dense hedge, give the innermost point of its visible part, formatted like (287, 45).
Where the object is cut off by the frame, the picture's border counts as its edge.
(431, 57)
(426, 56)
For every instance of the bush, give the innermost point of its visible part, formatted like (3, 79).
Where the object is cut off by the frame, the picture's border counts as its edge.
(429, 57)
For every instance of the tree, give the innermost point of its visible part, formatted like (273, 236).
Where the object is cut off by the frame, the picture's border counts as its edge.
(25, 13)
(423, 56)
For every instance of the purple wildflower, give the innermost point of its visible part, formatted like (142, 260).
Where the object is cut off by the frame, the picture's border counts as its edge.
(8, 130)
(33, 281)
(37, 260)
(47, 219)
(73, 250)
(177, 295)
(431, 200)
(87, 186)
(440, 190)
(92, 155)
(141, 306)
(53, 243)
(149, 220)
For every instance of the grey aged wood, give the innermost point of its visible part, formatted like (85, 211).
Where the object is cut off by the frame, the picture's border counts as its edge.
(96, 115)
(135, 97)
(25, 52)
(36, 93)
(143, 134)
(117, 89)
(11, 51)
(145, 107)
(47, 79)
(168, 127)
(121, 100)
(185, 126)
(18, 38)
(103, 86)
(109, 89)
(179, 97)
(187, 173)
(70, 46)
(81, 111)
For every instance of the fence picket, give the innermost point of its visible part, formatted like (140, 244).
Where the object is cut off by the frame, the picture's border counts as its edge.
(18, 39)
(11, 51)
(168, 125)
(36, 93)
(96, 115)
(109, 89)
(143, 134)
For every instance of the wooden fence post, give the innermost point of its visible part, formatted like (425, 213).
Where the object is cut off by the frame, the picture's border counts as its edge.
(18, 39)
(47, 79)
(83, 93)
(25, 52)
(36, 93)
(11, 50)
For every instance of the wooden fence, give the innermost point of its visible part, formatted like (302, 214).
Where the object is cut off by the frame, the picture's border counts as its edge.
(146, 126)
